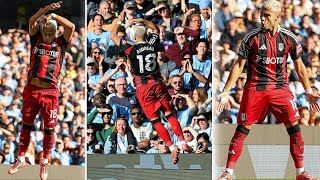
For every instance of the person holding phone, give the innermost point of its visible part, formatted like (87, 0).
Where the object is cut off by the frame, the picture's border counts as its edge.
(203, 143)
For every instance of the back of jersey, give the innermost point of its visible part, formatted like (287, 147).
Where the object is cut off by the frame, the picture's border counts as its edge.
(143, 57)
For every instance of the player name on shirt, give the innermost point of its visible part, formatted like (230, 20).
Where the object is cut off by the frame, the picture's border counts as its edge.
(145, 48)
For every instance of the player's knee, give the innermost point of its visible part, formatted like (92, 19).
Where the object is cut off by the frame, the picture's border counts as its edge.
(48, 131)
(27, 126)
(169, 115)
(155, 121)
(243, 129)
(294, 129)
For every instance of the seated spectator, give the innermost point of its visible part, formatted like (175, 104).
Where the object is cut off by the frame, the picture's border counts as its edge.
(99, 37)
(59, 153)
(141, 128)
(122, 140)
(176, 50)
(200, 95)
(203, 143)
(201, 124)
(202, 62)
(9, 156)
(187, 72)
(98, 56)
(177, 85)
(142, 7)
(157, 145)
(93, 75)
(122, 97)
(91, 140)
(166, 67)
(121, 70)
(305, 116)
(185, 108)
(189, 135)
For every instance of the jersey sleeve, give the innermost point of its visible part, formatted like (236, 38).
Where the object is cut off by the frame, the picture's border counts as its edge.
(296, 49)
(244, 48)
(153, 39)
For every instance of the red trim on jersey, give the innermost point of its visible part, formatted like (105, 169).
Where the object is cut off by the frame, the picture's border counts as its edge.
(127, 51)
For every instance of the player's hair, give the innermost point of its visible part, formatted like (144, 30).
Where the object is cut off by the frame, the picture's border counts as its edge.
(50, 24)
(273, 5)
(140, 32)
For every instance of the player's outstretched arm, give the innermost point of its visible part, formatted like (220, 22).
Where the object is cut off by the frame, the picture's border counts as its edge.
(304, 79)
(33, 25)
(236, 70)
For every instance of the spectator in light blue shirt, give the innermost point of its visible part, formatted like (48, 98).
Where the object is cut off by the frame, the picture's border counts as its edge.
(202, 61)
(60, 154)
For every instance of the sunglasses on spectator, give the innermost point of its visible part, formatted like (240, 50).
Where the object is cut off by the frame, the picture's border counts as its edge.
(111, 85)
(177, 82)
(180, 34)
(88, 133)
(187, 131)
(201, 119)
(135, 113)
(95, 52)
(187, 58)
(7, 147)
(108, 113)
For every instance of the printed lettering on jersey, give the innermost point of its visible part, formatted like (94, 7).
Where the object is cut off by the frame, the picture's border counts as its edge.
(269, 60)
(45, 52)
(243, 117)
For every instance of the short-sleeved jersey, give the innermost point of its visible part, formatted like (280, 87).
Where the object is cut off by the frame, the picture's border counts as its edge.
(267, 57)
(46, 59)
(143, 57)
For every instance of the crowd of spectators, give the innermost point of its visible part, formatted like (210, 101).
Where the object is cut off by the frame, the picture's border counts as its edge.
(233, 19)
(185, 62)
(69, 148)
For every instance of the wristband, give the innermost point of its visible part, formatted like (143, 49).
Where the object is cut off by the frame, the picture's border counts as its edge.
(53, 16)
(309, 91)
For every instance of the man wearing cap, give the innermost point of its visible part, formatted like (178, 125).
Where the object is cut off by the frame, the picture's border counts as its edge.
(157, 145)
(94, 76)
(41, 92)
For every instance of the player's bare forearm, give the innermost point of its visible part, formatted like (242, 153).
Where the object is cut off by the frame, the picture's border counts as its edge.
(33, 25)
(302, 73)
(151, 26)
(70, 27)
(235, 72)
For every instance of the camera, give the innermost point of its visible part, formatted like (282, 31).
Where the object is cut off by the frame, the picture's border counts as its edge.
(131, 149)
(200, 145)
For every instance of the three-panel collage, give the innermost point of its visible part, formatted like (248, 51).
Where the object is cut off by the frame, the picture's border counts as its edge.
(159, 89)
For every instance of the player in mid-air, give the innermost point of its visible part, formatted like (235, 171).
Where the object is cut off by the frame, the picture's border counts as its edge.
(266, 50)
(41, 92)
(150, 90)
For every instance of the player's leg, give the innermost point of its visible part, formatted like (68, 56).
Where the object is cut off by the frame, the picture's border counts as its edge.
(283, 106)
(30, 109)
(49, 111)
(253, 109)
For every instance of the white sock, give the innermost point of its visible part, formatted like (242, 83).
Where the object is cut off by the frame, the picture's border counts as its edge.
(299, 171)
(229, 171)
(171, 147)
(22, 158)
(45, 161)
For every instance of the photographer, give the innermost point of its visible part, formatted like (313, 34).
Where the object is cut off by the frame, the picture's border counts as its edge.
(203, 143)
